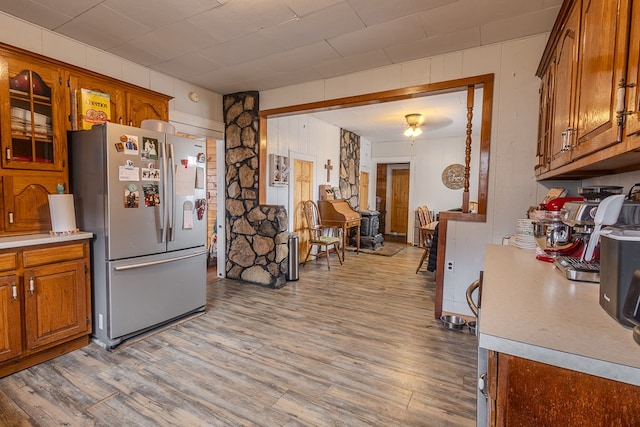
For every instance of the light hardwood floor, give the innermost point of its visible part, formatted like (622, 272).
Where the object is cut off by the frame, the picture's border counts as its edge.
(356, 346)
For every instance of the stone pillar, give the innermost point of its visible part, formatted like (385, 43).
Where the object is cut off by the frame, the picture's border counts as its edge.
(350, 167)
(256, 239)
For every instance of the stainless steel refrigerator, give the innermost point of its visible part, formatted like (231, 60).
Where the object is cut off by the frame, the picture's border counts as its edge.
(142, 194)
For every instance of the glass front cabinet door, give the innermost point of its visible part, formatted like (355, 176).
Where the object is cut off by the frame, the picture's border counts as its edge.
(34, 137)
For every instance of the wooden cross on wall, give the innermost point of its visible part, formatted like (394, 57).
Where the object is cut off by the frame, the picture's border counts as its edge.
(329, 168)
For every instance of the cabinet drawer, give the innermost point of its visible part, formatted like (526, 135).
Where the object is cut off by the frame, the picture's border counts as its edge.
(35, 257)
(8, 261)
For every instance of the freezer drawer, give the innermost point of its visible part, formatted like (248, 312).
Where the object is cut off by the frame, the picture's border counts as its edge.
(148, 291)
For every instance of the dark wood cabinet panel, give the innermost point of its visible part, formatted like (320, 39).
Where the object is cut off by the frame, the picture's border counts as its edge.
(529, 393)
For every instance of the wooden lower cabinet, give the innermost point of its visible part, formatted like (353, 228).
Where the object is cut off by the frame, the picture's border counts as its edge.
(45, 304)
(10, 338)
(523, 392)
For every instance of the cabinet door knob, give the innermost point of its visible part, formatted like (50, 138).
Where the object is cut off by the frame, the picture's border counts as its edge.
(482, 383)
(10, 217)
(31, 285)
(14, 291)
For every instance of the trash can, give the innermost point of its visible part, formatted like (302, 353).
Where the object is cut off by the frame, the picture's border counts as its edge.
(292, 271)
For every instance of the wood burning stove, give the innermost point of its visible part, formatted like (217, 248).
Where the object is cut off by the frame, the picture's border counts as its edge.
(370, 237)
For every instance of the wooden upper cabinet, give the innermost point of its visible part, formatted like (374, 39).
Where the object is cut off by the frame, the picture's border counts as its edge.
(146, 105)
(36, 111)
(116, 94)
(592, 53)
(32, 115)
(129, 105)
(632, 104)
(603, 56)
(564, 70)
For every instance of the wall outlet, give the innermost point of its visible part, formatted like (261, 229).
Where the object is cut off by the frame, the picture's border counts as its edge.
(449, 264)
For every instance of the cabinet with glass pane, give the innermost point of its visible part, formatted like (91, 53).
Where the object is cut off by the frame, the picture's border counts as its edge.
(33, 115)
(35, 118)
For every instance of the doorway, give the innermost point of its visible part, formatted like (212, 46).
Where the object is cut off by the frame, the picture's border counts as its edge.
(302, 190)
(364, 191)
(393, 198)
(399, 201)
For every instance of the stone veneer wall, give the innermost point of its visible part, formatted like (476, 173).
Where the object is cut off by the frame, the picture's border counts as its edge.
(256, 238)
(349, 182)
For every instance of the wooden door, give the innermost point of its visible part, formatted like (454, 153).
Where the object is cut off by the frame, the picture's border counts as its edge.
(543, 158)
(55, 302)
(33, 97)
(144, 105)
(399, 200)
(10, 322)
(632, 127)
(302, 190)
(602, 57)
(26, 202)
(565, 79)
(364, 191)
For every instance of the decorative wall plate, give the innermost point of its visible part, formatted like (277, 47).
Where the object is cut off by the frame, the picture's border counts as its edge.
(453, 176)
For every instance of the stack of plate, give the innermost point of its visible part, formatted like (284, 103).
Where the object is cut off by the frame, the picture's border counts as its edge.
(524, 234)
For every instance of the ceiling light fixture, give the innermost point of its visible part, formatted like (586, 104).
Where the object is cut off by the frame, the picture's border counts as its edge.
(414, 121)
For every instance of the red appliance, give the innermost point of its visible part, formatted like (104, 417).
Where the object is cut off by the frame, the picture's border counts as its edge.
(554, 237)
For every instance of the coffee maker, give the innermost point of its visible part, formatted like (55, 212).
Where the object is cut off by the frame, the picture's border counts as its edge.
(619, 260)
(580, 216)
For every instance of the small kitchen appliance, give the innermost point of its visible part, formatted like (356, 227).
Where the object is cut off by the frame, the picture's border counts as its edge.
(552, 235)
(631, 309)
(619, 259)
(582, 217)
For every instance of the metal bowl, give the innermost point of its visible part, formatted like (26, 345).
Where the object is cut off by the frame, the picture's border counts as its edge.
(451, 321)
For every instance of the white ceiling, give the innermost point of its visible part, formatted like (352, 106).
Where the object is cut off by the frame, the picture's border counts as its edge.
(238, 45)
(445, 116)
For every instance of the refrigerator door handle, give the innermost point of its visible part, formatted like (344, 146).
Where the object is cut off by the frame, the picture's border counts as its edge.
(165, 208)
(164, 261)
(174, 208)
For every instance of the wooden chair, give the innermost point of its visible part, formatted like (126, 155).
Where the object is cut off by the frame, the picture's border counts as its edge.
(426, 228)
(317, 237)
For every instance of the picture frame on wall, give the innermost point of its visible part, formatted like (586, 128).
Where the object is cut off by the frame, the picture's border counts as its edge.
(279, 170)
(337, 195)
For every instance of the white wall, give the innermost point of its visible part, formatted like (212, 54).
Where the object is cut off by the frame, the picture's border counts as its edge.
(512, 185)
(430, 157)
(306, 138)
(202, 118)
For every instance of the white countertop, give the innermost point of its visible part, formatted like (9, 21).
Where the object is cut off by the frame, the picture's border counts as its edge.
(530, 310)
(10, 242)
